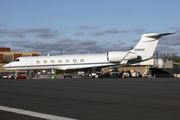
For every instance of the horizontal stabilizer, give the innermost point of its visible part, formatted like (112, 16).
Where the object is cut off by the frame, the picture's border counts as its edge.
(156, 35)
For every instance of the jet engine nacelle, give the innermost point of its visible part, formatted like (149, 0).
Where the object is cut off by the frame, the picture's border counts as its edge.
(119, 56)
(115, 56)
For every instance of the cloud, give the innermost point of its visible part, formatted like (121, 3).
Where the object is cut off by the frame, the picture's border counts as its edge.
(97, 33)
(69, 46)
(171, 40)
(114, 31)
(120, 42)
(111, 31)
(45, 33)
(124, 31)
(3, 32)
(175, 29)
(3, 42)
(34, 30)
(169, 44)
(87, 42)
(76, 46)
(139, 31)
(136, 40)
(87, 27)
(79, 33)
(103, 32)
(167, 49)
(178, 30)
(16, 33)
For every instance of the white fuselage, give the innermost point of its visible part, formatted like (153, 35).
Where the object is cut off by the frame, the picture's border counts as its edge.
(61, 62)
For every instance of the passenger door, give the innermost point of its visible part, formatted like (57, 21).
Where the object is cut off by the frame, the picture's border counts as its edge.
(29, 63)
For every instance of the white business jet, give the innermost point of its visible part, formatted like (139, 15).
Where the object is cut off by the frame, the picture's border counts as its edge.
(142, 51)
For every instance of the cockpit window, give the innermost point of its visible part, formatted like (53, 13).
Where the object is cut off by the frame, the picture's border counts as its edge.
(16, 60)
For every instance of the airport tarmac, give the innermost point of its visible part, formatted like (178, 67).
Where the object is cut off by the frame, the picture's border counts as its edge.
(90, 99)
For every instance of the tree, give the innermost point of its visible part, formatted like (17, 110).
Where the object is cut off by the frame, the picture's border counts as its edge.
(174, 57)
(164, 57)
(167, 57)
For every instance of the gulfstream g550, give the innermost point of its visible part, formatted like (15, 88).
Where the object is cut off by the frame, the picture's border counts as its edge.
(142, 51)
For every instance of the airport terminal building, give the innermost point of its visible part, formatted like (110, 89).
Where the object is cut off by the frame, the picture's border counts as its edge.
(7, 56)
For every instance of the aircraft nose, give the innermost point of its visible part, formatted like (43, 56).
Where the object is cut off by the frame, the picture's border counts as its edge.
(6, 66)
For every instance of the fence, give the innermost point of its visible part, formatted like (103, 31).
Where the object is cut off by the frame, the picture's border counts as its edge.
(165, 70)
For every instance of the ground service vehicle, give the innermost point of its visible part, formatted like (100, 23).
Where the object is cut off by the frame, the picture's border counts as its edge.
(67, 74)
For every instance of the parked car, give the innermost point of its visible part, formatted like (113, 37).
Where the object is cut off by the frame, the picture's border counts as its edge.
(67, 74)
(5, 76)
(96, 74)
(126, 74)
(11, 76)
(8, 76)
(135, 74)
(114, 73)
(21, 76)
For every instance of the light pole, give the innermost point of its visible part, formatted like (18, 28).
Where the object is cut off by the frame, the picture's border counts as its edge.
(61, 52)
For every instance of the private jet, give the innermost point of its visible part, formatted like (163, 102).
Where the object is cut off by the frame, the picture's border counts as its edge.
(142, 51)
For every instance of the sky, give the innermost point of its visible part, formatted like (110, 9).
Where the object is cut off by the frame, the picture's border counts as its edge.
(87, 26)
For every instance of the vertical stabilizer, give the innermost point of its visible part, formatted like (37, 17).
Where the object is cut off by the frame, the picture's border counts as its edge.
(147, 45)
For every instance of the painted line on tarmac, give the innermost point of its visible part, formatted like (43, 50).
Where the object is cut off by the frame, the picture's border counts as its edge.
(34, 114)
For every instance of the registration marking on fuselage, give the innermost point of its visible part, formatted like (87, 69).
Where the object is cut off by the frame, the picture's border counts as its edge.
(34, 114)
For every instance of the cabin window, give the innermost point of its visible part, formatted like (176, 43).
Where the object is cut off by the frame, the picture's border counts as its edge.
(82, 60)
(67, 61)
(60, 61)
(74, 60)
(37, 61)
(45, 61)
(16, 60)
(52, 61)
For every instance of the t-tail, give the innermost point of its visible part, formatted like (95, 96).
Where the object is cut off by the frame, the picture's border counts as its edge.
(147, 45)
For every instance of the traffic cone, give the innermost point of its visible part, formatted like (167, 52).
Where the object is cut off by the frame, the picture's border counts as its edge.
(174, 75)
(123, 76)
(154, 76)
